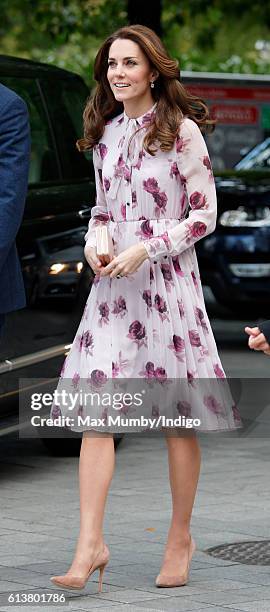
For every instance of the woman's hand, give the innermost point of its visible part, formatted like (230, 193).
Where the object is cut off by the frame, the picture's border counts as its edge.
(96, 262)
(127, 262)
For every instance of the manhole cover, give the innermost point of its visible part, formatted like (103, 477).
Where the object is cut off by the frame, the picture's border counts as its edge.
(249, 553)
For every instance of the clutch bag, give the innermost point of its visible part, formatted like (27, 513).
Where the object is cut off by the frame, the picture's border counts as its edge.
(104, 242)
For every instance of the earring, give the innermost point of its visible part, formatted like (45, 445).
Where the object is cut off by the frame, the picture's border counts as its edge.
(152, 84)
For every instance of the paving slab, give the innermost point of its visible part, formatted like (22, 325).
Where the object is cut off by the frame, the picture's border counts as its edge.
(129, 596)
(253, 606)
(176, 604)
(235, 596)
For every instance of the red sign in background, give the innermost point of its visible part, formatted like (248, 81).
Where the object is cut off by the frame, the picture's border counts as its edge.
(230, 93)
(235, 114)
(238, 109)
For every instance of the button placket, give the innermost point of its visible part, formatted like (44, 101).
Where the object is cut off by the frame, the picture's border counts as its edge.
(132, 157)
(128, 196)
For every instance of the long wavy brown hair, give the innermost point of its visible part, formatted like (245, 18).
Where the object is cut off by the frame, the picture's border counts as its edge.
(173, 100)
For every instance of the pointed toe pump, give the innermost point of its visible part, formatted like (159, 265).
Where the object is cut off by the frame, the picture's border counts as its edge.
(78, 583)
(177, 580)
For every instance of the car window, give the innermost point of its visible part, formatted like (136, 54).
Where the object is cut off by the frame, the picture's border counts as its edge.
(66, 102)
(43, 162)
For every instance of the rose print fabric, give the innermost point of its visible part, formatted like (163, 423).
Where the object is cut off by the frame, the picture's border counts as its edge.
(152, 325)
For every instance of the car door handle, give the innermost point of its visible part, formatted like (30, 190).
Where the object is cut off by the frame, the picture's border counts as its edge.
(85, 213)
(29, 257)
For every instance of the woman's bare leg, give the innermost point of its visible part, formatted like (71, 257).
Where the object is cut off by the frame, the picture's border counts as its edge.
(97, 459)
(184, 469)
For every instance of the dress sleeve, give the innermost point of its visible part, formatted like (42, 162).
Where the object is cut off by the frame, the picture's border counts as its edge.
(99, 212)
(195, 170)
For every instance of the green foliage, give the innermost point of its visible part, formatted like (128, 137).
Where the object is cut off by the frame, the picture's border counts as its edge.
(67, 33)
(220, 36)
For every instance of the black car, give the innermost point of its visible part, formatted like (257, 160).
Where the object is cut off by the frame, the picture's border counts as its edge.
(51, 238)
(235, 259)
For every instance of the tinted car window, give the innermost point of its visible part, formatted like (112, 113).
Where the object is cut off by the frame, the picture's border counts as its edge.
(66, 101)
(43, 163)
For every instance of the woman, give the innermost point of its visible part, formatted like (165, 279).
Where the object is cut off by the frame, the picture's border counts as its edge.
(145, 316)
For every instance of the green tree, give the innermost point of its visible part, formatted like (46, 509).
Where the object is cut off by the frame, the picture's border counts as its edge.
(67, 33)
(221, 36)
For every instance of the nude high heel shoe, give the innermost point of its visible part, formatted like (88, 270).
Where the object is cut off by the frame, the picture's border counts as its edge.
(79, 582)
(177, 581)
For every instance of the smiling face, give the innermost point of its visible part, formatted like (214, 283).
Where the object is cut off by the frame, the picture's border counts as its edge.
(129, 74)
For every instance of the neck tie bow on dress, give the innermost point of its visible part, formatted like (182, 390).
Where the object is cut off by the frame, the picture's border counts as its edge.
(130, 148)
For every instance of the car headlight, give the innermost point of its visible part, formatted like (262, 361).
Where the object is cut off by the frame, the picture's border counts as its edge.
(250, 270)
(258, 216)
(57, 268)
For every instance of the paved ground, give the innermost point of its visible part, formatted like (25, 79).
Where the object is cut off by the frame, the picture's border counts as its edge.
(40, 514)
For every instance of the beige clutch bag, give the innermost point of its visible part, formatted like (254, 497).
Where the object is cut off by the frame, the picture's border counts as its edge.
(104, 243)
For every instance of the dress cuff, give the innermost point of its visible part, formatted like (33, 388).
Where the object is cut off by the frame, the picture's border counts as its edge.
(102, 218)
(158, 246)
(91, 241)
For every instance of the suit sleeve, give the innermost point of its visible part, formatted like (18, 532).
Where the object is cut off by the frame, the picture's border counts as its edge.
(264, 327)
(99, 212)
(14, 167)
(195, 172)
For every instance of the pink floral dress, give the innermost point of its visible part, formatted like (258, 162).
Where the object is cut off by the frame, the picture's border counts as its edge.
(152, 325)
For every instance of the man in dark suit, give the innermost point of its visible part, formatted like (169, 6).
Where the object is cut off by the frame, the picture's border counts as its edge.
(14, 165)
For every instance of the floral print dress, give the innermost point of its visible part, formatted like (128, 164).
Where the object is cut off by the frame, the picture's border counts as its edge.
(152, 325)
